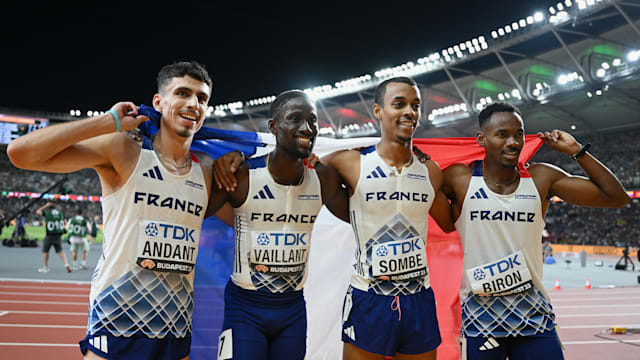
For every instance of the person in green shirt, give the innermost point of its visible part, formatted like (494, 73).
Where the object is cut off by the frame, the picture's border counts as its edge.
(54, 223)
(78, 227)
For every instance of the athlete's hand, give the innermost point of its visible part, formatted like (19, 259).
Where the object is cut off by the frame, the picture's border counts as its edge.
(561, 141)
(128, 114)
(312, 160)
(224, 168)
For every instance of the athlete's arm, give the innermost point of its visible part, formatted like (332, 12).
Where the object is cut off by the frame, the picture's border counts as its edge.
(455, 182)
(334, 195)
(440, 208)
(222, 202)
(347, 163)
(88, 143)
(600, 189)
(42, 208)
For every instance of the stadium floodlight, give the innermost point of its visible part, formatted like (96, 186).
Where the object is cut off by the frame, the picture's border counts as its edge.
(500, 97)
(450, 50)
(601, 72)
(522, 23)
(515, 93)
(552, 10)
(479, 107)
(591, 2)
(89, 113)
(501, 32)
(471, 50)
(463, 46)
(562, 79)
(456, 48)
(616, 62)
(529, 20)
(605, 65)
(484, 46)
(474, 41)
(507, 28)
(589, 94)
(633, 55)
(598, 92)
(538, 16)
(514, 26)
(573, 127)
(494, 34)
(567, 3)
(581, 4)
(559, 6)
(468, 43)
(536, 92)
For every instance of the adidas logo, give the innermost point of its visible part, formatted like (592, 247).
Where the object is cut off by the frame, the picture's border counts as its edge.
(265, 193)
(490, 344)
(480, 194)
(100, 343)
(377, 173)
(350, 332)
(154, 173)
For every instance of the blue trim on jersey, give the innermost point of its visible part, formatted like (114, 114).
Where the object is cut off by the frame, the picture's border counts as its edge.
(257, 162)
(368, 150)
(477, 168)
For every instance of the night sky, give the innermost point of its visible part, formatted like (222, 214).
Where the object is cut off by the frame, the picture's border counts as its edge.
(89, 55)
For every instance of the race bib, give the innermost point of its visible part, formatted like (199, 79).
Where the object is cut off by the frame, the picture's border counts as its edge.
(282, 253)
(400, 260)
(509, 275)
(167, 247)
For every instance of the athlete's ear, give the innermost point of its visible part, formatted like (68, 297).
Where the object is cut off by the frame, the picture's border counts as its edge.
(377, 111)
(480, 138)
(157, 98)
(273, 127)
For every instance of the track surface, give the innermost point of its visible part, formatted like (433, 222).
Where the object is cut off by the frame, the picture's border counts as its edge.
(45, 320)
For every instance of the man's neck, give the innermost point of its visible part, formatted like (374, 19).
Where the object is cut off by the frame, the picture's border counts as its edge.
(285, 168)
(394, 153)
(173, 151)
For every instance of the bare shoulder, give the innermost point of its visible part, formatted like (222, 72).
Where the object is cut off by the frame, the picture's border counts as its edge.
(341, 157)
(545, 171)
(122, 150)
(457, 170)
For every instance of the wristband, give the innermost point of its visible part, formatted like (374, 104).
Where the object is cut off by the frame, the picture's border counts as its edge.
(116, 118)
(582, 151)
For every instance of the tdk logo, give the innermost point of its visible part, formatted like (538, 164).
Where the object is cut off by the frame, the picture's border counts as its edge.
(399, 248)
(168, 231)
(279, 239)
(396, 195)
(498, 267)
(499, 215)
(480, 194)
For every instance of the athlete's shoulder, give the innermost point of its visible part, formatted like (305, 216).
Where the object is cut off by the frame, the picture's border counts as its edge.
(544, 171)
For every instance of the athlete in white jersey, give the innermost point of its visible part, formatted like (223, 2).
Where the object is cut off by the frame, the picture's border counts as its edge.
(275, 203)
(389, 309)
(499, 207)
(154, 203)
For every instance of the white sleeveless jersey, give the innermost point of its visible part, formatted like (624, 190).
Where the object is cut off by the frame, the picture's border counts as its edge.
(273, 231)
(143, 283)
(501, 291)
(389, 215)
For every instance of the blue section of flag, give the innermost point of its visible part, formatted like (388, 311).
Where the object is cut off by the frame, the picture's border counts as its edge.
(215, 142)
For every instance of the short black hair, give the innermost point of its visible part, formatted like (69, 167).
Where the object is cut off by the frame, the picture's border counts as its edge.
(180, 69)
(281, 100)
(501, 106)
(381, 89)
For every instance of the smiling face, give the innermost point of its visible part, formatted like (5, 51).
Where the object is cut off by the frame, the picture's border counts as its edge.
(502, 137)
(183, 104)
(296, 126)
(401, 112)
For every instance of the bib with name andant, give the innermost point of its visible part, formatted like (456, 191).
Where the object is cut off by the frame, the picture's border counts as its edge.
(167, 247)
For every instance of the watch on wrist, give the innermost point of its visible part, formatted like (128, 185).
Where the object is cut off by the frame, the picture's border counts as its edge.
(582, 151)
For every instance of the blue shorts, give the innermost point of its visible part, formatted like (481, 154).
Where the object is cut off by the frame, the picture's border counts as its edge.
(136, 348)
(262, 326)
(386, 325)
(540, 346)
